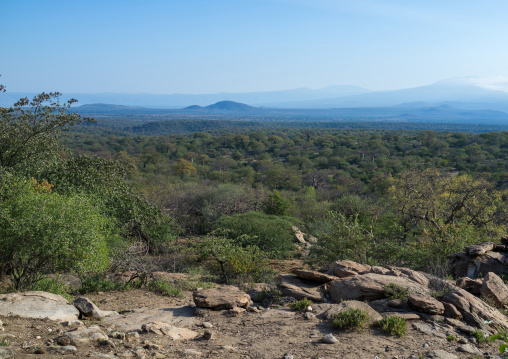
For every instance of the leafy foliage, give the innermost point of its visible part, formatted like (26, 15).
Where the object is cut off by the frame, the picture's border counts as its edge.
(394, 291)
(300, 304)
(393, 325)
(271, 234)
(351, 319)
(43, 232)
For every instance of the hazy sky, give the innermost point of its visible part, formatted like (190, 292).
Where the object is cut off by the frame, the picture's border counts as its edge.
(205, 46)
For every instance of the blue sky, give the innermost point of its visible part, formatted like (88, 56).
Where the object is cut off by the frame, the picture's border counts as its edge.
(203, 46)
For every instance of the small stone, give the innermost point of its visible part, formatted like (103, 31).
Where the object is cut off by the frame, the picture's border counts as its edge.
(50, 330)
(329, 339)
(152, 346)
(72, 324)
(208, 334)
(308, 309)
(309, 316)
(38, 337)
(67, 349)
(200, 312)
(287, 356)
(463, 341)
(207, 325)
(40, 351)
(468, 348)
(107, 344)
(65, 341)
(192, 352)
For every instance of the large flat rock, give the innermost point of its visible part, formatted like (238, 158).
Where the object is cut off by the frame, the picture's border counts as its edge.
(178, 316)
(297, 288)
(33, 305)
(226, 297)
(369, 286)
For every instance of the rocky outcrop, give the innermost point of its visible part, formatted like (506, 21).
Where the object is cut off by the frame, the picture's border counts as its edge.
(329, 311)
(370, 286)
(344, 269)
(426, 304)
(85, 335)
(471, 285)
(292, 286)
(37, 305)
(479, 259)
(313, 275)
(495, 290)
(226, 297)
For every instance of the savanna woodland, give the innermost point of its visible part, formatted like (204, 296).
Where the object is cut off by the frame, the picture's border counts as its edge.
(223, 203)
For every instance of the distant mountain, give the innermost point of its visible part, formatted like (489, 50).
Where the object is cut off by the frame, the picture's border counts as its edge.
(223, 106)
(183, 100)
(456, 91)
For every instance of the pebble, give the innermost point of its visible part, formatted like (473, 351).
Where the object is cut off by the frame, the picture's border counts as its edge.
(287, 356)
(207, 325)
(67, 349)
(208, 334)
(309, 316)
(192, 352)
(329, 339)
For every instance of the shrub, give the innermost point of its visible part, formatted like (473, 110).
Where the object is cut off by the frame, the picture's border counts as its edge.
(480, 336)
(394, 291)
(300, 304)
(165, 288)
(98, 283)
(235, 262)
(451, 338)
(52, 285)
(271, 234)
(351, 319)
(43, 232)
(392, 325)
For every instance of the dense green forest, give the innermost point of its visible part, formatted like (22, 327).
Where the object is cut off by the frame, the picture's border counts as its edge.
(227, 201)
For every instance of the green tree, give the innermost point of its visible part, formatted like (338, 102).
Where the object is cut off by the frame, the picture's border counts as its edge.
(184, 168)
(29, 131)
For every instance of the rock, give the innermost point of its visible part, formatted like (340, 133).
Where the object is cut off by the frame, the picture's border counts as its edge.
(89, 310)
(471, 285)
(309, 316)
(259, 291)
(207, 325)
(200, 312)
(208, 335)
(73, 324)
(299, 235)
(440, 354)
(287, 356)
(451, 311)
(476, 250)
(406, 316)
(426, 304)
(67, 349)
(331, 310)
(85, 335)
(468, 348)
(494, 289)
(460, 326)
(226, 297)
(412, 275)
(427, 329)
(344, 269)
(235, 312)
(313, 275)
(36, 304)
(468, 304)
(192, 352)
(297, 288)
(464, 265)
(63, 340)
(6, 353)
(329, 339)
(169, 330)
(369, 286)
(379, 270)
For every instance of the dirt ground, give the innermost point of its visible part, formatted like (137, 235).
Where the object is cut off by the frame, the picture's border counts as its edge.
(268, 334)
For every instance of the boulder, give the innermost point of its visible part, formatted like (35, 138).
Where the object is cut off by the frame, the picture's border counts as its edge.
(495, 290)
(168, 330)
(469, 305)
(6, 353)
(344, 269)
(410, 274)
(292, 286)
(426, 304)
(313, 275)
(85, 335)
(300, 237)
(226, 297)
(480, 249)
(329, 311)
(465, 265)
(89, 310)
(369, 286)
(451, 311)
(471, 285)
(37, 305)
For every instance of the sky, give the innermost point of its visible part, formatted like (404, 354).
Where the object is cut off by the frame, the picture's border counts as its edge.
(203, 46)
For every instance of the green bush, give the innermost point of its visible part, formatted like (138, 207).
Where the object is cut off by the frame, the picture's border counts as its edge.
(271, 234)
(236, 263)
(300, 304)
(42, 232)
(97, 283)
(164, 288)
(392, 325)
(394, 291)
(480, 336)
(351, 319)
(52, 285)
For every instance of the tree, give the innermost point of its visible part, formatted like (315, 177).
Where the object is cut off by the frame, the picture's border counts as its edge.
(184, 168)
(29, 129)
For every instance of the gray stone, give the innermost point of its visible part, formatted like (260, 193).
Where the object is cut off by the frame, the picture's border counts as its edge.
(67, 349)
(173, 332)
(6, 353)
(192, 352)
(426, 304)
(495, 290)
(329, 339)
(480, 249)
(440, 354)
(329, 311)
(369, 286)
(451, 311)
(427, 329)
(313, 275)
(86, 335)
(343, 269)
(36, 304)
(226, 297)
(292, 286)
(73, 324)
(207, 325)
(468, 348)
(88, 309)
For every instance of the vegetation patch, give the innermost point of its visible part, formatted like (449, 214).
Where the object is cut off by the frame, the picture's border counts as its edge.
(395, 291)
(351, 319)
(300, 304)
(393, 325)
